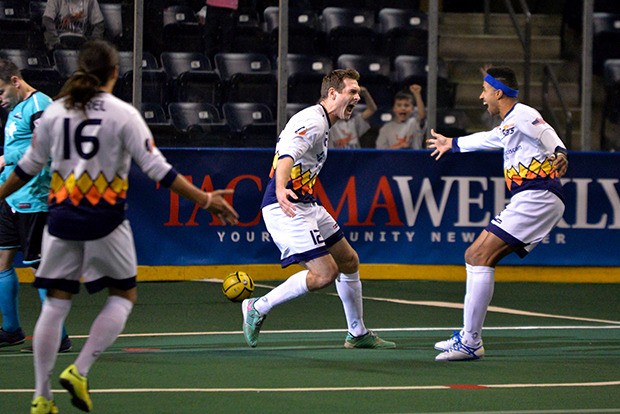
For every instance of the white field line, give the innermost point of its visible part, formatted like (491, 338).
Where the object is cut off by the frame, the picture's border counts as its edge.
(342, 389)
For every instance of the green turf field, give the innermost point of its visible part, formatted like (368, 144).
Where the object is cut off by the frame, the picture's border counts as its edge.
(551, 348)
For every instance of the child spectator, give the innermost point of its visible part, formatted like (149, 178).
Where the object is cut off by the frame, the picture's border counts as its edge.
(69, 23)
(346, 133)
(406, 129)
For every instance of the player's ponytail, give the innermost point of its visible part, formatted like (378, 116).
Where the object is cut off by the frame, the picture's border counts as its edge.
(96, 64)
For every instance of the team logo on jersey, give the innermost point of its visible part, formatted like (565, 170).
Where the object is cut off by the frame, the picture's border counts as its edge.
(508, 129)
(301, 131)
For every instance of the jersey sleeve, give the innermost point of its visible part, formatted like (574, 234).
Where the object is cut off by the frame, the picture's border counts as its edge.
(138, 140)
(479, 141)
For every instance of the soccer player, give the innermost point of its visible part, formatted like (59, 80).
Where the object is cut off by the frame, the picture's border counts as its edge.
(346, 133)
(91, 137)
(302, 229)
(534, 160)
(23, 214)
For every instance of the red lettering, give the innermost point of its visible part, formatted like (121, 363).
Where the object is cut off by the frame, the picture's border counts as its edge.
(349, 196)
(259, 186)
(383, 189)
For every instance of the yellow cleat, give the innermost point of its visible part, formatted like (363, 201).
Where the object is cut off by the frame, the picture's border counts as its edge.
(42, 405)
(77, 385)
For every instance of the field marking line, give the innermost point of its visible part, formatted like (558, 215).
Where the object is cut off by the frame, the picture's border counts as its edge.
(343, 389)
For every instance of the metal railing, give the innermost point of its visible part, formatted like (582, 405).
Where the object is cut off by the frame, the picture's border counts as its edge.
(525, 37)
(549, 77)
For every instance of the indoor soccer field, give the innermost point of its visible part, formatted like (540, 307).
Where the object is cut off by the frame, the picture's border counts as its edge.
(550, 348)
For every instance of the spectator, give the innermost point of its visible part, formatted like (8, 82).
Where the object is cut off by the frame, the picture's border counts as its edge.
(69, 23)
(219, 25)
(406, 129)
(346, 133)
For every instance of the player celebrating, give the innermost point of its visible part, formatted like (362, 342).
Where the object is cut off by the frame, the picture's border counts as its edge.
(302, 229)
(534, 160)
(91, 137)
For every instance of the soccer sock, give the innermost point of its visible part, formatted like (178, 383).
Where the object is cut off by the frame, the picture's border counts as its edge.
(43, 296)
(293, 287)
(349, 289)
(45, 340)
(103, 332)
(468, 282)
(481, 292)
(9, 290)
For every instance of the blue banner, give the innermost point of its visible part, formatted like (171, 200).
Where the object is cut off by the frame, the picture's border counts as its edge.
(398, 207)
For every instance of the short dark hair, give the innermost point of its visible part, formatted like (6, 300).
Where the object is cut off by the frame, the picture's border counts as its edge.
(8, 69)
(505, 75)
(335, 79)
(401, 95)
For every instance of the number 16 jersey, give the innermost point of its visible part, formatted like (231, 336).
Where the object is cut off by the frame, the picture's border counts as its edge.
(91, 153)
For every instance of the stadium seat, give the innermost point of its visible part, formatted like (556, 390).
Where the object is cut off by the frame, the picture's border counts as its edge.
(26, 58)
(374, 75)
(247, 77)
(404, 32)
(65, 62)
(305, 75)
(452, 122)
(252, 124)
(181, 31)
(191, 77)
(611, 108)
(162, 129)
(606, 39)
(115, 31)
(16, 28)
(154, 79)
(248, 33)
(350, 31)
(377, 5)
(199, 124)
(304, 32)
(410, 70)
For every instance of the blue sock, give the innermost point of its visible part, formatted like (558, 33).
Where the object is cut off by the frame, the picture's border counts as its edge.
(43, 295)
(9, 289)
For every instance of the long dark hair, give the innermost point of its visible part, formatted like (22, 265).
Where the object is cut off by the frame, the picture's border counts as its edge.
(96, 64)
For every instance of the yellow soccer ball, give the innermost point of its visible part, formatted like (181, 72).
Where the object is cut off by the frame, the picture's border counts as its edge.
(238, 286)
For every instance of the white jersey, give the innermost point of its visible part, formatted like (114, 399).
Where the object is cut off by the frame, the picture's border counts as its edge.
(91, 156)
(346, 132)
(393, 134)
(528, 143)
(304, 139)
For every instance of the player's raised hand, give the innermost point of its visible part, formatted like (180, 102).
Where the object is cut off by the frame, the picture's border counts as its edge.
(218, 206)
(439, 143)
(559, 163)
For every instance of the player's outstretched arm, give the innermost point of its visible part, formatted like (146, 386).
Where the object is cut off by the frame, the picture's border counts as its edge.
(213, 202)
(439, 143)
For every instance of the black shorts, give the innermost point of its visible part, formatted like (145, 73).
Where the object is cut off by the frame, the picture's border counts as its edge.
(22, 231)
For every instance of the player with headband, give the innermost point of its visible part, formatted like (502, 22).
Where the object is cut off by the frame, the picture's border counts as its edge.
(534, 160)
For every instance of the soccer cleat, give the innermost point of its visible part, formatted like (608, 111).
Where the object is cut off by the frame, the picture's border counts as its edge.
(449, 343)
(252, 321)
(65, 346)
(369, 340)
(42, 405)
(77, 385)
(461, 352)
(11, 338)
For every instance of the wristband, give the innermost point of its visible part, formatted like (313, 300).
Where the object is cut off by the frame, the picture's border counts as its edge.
(208, 203)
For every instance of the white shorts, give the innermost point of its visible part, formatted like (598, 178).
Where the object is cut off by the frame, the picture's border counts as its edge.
(303, 237)
(527, 219)
(106, 262)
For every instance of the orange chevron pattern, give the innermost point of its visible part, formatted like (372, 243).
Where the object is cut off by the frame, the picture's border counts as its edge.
(536, 169)
(301, 180)
(85, 187)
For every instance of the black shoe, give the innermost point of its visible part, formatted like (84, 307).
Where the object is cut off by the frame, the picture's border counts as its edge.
(65, 346)
(11, 338)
